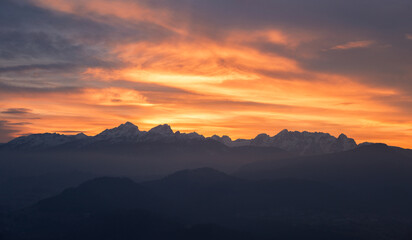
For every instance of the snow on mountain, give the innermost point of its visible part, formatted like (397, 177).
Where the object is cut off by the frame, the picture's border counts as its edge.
(164, 130)
(224, 139)
(304, 143)
(45, 140)
(125, 132)
(228, 141)
(159, 133)
(189, 136)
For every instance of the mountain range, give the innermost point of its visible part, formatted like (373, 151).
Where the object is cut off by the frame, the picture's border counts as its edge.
(125, 183)
(302, 143)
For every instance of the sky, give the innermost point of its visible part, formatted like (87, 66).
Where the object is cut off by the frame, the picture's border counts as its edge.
(234, 67)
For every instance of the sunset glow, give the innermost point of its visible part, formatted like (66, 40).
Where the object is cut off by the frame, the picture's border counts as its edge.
(152, 63)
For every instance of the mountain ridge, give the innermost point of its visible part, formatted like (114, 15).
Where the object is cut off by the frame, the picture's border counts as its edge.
(302, 143)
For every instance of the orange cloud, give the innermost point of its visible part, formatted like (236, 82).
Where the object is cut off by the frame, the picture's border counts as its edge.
(227, 86)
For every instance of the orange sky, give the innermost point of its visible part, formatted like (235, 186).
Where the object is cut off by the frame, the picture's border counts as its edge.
(196, 79)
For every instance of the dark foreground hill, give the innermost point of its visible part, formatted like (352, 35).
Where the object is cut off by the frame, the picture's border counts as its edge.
(208, 204)
(106, 208)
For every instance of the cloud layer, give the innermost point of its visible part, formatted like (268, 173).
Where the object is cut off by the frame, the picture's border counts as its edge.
(237, 67)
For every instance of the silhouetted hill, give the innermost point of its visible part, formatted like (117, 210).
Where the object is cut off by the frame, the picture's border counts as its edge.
(106, 208)
(377, 163)
(206, 195)
(377, 176)
(100, 195)
(205, 203)
(20, 191)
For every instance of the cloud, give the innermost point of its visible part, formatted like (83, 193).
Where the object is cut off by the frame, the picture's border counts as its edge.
(238, 67)
(408, 36)
(17, 111)
(354, 44)
(20, 123)
(6, 88)
(31, 67)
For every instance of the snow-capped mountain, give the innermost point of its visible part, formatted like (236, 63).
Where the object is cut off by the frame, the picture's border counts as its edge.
(41, 141)
(304, 143)
(125, 132)
(159, 133)
(228, 141)
(311, 142)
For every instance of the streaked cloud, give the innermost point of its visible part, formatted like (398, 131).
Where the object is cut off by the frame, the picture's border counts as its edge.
(354, 44)
(16, 111)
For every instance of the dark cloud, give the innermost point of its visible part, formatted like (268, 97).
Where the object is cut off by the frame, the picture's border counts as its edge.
(31, 67)
(20, 123)
(384, 65)
(24, 17)
(17, 111)
(7, 88)
(329, 23)
(54, 48)
(67, 42)
(387, 15)
(37, 45)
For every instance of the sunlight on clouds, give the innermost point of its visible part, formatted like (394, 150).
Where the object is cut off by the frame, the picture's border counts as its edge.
(222, 84)
(177, 79)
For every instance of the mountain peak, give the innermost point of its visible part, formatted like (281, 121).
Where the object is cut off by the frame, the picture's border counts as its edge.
(284, 131)
(81, 135)
(164, 129)
(125, 131)
(261, 140)
(342, 136)
(309, 143)
(128, 125)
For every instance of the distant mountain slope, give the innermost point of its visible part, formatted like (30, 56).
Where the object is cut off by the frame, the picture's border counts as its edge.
(21, 191)
(376, 163)
(41, 141)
